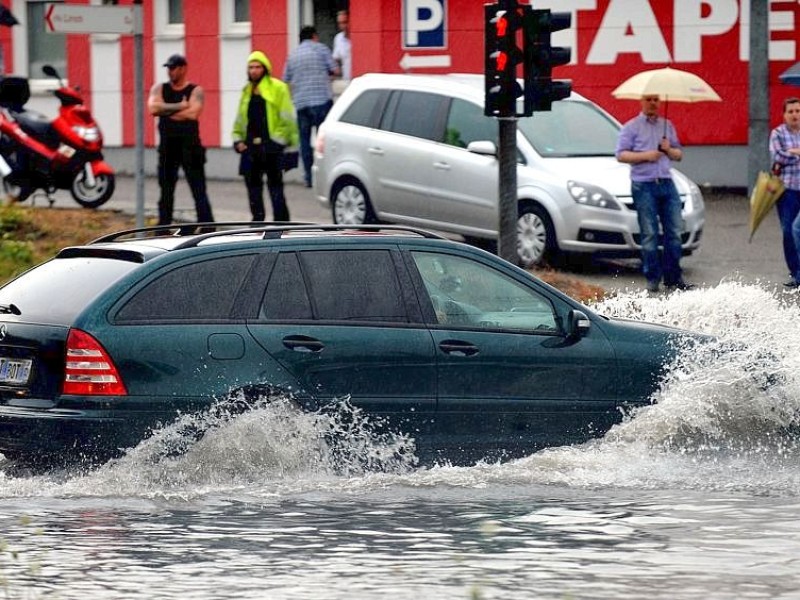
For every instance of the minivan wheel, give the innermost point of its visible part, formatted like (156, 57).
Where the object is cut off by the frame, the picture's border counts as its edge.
(536, 240)
(351, 203)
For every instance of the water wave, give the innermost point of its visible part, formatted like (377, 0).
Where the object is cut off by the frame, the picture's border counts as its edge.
(721, 420)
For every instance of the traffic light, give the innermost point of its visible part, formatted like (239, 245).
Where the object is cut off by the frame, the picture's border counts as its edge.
(503, 54)
(540, 57)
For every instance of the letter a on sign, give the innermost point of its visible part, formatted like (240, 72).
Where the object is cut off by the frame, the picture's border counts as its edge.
(424, 23)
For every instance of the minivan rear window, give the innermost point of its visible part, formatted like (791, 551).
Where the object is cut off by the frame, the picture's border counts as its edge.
(366, 110)
(419, 114)
(79, 281)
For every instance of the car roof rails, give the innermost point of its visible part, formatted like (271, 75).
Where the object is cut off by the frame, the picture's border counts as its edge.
(198, 232)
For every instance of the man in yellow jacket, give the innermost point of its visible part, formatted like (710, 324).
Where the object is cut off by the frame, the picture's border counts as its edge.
(265, 125)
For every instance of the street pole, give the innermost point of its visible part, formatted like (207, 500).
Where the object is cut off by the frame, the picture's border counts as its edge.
(507, 189)
(138, 112)
(758, 70)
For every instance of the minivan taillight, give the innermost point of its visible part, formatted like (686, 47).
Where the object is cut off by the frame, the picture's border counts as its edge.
(319, 143)
(89, 369)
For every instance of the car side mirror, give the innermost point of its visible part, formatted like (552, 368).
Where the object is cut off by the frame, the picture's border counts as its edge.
(578, 324)
(486, 148)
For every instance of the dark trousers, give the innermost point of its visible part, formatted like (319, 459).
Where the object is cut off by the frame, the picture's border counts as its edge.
(789, 215)
(262, 163)
(188, 154)
(308, 118)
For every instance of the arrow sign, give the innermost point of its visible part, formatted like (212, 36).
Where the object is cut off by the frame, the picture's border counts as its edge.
(424, 62)
(86, 18)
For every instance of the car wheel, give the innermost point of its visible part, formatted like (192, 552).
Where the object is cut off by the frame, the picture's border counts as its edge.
(351, 203)
(536, 239)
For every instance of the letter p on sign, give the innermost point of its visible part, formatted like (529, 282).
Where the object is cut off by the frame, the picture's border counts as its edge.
(424, 23)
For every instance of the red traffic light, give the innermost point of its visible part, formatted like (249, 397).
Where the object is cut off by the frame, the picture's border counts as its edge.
(501, 26)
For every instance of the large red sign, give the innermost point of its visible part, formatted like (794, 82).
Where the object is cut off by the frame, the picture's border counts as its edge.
(611, 40)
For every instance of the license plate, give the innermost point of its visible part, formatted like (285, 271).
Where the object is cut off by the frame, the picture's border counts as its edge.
(15, 372)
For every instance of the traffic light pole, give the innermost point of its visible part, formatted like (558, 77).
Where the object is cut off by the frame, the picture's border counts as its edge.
(507, 189)
(503, 23)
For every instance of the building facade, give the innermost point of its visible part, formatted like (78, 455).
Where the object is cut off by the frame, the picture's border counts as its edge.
(610, 40)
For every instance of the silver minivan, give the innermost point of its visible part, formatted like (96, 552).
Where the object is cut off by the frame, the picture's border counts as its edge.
(418, 150)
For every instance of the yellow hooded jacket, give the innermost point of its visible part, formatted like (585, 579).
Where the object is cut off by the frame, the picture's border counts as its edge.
(281, 119)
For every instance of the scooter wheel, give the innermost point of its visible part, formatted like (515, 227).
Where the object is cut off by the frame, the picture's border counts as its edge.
(92, 197)
(16, 192)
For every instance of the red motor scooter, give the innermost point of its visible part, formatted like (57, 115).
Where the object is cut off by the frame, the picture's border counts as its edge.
(37, 153)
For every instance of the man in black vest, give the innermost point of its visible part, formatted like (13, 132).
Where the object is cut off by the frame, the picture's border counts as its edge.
(178, 104)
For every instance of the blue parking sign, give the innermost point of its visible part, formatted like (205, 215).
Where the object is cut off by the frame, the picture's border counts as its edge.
(424, 23)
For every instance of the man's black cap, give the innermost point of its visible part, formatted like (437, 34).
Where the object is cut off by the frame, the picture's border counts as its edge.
(176, 60)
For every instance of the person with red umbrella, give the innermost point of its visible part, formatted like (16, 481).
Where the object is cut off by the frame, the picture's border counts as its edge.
(649, 144)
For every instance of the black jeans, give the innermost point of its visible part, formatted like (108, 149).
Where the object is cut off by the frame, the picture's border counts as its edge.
(188, 154)
(260, 163)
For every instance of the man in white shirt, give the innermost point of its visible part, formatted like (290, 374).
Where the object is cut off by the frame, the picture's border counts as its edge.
(341, 45)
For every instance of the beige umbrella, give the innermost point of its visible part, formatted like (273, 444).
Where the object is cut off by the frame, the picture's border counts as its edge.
(767, 190)
(667, 84)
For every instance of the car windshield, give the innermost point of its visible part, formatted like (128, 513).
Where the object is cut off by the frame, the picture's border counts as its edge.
(572, 128)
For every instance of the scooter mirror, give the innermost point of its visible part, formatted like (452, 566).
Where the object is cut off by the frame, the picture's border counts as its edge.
(50, 71)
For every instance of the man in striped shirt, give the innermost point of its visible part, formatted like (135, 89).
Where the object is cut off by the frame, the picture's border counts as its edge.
(308, 72)
(784, 147)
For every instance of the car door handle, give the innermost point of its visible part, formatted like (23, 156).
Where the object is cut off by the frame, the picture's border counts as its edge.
(442, 166)
(458, 347)
(303, 343)
(376, 151)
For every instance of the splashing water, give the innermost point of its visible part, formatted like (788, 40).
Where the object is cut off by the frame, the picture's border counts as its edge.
(718, 421)
(741, 387)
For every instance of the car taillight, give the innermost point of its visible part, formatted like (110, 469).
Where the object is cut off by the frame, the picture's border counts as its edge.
(89, 370)
(319, 143)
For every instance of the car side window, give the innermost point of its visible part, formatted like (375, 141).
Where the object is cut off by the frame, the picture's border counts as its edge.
(346, 285)
(354, 285)
(198, 291)
(468, 293)
(466, 123)
(286, 298)
(366, 110)
(418, 114)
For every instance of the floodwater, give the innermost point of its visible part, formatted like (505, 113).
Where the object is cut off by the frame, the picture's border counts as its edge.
(695, 496)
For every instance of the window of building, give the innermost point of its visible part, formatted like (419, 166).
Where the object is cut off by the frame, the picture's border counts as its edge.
(43, 48)
(241, 11)
(175, 12)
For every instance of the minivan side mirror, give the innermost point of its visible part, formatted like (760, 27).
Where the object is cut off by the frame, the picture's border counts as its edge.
(486, 148)
(578, 324)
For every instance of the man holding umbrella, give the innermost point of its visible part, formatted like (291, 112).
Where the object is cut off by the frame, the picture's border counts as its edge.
(784, 147)
(649, 144)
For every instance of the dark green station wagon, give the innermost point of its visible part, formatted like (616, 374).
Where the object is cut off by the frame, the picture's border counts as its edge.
(469, 355)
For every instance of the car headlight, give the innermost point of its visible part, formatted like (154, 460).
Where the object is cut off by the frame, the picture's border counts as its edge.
(592, 195)
(695, 197)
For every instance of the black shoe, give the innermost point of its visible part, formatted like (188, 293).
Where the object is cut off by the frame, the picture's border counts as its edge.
(681, 285)
(652, 286)
(792, 284)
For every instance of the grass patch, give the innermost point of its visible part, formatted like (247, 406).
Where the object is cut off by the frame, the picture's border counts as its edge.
(31, 235)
